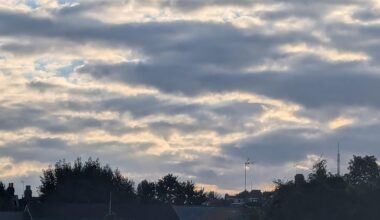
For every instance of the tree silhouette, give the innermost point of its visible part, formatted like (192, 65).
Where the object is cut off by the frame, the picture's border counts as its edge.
(363, 171)
(87, 182)
(319, 171)
(146, 192)
(329, 197)
(171, 191)
(191, 196)
(167, 189)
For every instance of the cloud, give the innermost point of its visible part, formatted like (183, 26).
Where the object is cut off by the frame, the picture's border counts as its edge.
(311, 86)
(189, 87)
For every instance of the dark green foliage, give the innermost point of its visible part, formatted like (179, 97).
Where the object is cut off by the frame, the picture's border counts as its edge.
(330, 197)
(167, 189)
(171, 191)
(90, 182)
(87, 182)
(363, 171)
(146, 191)
(319, 172)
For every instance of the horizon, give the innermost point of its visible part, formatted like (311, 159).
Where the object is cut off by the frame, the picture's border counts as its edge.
(189, 87)
(19, 187)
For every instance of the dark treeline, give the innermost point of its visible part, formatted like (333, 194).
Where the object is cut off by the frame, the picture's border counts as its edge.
(90, 182)
(322, 195)
(355, 195)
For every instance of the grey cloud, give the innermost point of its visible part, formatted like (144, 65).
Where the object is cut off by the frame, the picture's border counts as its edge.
(366, 15)
(276, 147)
(186, 5)
(18, 117)
(317, 84)
(289, 145)
(49, 150)
(38, 149)
(42, 86)
(193, 58)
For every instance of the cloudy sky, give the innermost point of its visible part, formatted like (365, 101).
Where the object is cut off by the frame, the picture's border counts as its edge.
(191, 87)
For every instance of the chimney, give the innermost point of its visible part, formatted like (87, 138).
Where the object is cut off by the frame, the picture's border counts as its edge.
(11, 190)
(28, 193)
(299, 180)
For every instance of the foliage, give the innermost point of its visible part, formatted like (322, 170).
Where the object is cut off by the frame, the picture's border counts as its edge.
(169, 190)
(87, 182)
(146, 191)
(90, 182)
(319, 171)
(327, 196)
(363, 171)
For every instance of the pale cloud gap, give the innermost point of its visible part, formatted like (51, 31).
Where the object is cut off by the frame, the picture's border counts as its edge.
(189, 87)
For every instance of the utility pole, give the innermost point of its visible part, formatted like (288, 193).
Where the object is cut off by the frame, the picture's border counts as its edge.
(246, 165)
(110, 205)
(338, 161)
(110, 215)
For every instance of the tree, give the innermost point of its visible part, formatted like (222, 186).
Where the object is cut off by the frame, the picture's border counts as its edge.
(319, 171)
(171, 191)
(363, 171)
(146, 191)
(167, 189)
(88, 182)
(327, 196)
(191, 196)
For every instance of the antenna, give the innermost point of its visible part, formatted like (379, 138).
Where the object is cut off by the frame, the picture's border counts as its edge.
(338, 160)
(246, 164)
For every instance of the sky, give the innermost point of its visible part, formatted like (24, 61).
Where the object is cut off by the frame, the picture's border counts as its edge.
(190, 87)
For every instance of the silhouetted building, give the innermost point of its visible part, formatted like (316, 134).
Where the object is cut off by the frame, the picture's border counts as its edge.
(11, 216)
(245, 197)
(110, 217)
(13, 198)
(98, 212)
(209, 213)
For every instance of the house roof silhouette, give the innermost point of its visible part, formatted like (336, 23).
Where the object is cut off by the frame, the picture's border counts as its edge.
(99, 211)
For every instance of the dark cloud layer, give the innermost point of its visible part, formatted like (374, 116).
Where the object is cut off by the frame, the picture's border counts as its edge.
(286, 145)
(314, 86)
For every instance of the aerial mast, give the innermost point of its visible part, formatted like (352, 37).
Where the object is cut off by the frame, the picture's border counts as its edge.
(246, 165)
